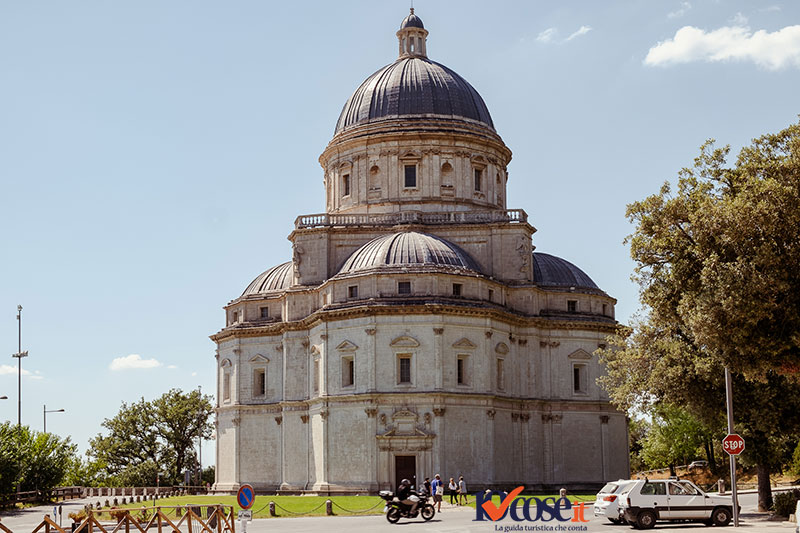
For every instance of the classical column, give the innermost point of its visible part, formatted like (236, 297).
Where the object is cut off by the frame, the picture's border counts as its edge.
(371, 352)
(603, 445)
(438, 342)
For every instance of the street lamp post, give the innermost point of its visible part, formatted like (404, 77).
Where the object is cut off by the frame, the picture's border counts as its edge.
(44, 415)
(19, 355)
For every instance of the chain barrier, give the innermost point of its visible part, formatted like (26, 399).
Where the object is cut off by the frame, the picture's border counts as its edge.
(299, 514)
(357, 512)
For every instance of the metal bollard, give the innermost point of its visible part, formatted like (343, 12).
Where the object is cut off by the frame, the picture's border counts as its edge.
(721, 486)
(272, 509)
(328, 507)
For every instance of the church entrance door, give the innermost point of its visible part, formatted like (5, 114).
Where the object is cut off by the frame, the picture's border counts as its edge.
(405, 467)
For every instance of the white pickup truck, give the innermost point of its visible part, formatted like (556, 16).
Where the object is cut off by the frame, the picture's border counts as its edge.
(646, 501)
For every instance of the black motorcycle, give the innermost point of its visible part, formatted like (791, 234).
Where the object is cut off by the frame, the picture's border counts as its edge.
(395, 509)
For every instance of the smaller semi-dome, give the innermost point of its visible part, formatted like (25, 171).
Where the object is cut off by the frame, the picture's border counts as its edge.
(412, 21)
(277, 278)
(408, 249)
(552, 271)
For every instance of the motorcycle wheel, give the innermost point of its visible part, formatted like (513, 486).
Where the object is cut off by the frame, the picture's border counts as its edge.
(393, 515)
(428, 512)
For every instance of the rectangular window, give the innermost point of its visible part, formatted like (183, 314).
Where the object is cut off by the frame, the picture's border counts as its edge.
(478, 176)
(410, 176)
(491, 295)
(501, 378)
(456, 289)
(259, 382)
(352, 291)
(572, 306)
(404, 287)
(226, 386)
(346, 185)
(579, 379)
(461, 370)
(265, 312)
(316, 376)
(605, 309)
(348, 371)
(404, 369)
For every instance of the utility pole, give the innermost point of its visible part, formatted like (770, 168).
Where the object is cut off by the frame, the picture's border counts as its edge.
(729, 401)
(19, 355)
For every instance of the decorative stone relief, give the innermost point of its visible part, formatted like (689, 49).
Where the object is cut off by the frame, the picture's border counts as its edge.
(488, 334)
(438, 331)
(235, 421)
(524, 252)
(604, 419)
(304, 418)
(370, 331)
(501, 348)
(524, 417)
(490, 413)
(278, 420)
(514, 417)
(438, 411)
(323, 336)
(371, 412)
(427, 417)
(383, 419)
(324, 414)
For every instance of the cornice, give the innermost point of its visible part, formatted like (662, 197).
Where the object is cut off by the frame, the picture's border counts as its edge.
(387, 308)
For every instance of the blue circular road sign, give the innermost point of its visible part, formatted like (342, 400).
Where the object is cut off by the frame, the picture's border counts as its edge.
(246, 496)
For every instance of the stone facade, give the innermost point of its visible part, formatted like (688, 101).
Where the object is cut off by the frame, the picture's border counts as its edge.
(415, 332)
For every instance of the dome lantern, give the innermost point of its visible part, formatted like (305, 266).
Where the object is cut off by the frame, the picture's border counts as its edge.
(411, 36)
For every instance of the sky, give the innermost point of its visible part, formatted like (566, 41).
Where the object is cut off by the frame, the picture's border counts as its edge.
(154, 155)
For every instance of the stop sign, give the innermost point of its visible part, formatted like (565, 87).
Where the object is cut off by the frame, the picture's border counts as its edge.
(733, 444)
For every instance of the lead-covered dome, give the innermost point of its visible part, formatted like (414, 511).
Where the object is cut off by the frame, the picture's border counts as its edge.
(550, 271)
(414, 87)
(277, 278)
(408, 249)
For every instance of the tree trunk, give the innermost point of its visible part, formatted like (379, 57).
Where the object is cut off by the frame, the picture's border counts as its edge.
(672, 470)
(712, 461)
(764, 488)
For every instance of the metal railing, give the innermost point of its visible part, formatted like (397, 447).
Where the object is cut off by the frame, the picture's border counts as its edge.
(411, 217)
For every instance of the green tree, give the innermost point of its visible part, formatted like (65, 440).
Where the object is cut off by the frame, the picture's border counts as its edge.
(149, 437)
(10, 458)
(46, 459)
(674, 438)
(637, 433)
(716, 262)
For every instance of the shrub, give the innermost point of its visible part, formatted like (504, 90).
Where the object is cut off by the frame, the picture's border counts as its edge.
(785, 502)
(78, 516)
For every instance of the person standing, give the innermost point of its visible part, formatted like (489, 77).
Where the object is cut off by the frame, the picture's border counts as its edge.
(453, 489)
(437, 489)
(427, 485)
(462, 490)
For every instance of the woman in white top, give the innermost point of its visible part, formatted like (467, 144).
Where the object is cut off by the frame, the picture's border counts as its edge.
(452, 488)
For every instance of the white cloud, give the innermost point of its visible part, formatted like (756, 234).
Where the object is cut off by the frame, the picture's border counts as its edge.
(770, 9)
(547, 35)
(681, 11)
(133, 361)
(583, 30)
(172, 367)
(194, 374)
(13, 370)
(739, 19)
(773, 51)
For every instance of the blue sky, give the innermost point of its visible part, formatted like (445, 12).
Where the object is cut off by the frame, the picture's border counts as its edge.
(154, 155)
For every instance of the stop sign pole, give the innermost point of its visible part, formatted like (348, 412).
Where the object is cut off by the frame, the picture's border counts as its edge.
(729, 401)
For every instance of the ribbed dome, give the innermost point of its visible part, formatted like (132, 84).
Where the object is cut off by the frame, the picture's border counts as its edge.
(552, 271)
(414, 86)
(412, 21)
(277, 278)
(408, 249)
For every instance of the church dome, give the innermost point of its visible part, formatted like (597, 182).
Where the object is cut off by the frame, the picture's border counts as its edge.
(408, 249)
(414, 86)
(550, 271)
(411, 21)
(277, 278)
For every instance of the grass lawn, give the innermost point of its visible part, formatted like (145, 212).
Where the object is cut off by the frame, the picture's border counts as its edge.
(286, 506)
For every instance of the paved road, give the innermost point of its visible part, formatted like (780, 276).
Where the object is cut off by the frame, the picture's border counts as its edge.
(453, 520)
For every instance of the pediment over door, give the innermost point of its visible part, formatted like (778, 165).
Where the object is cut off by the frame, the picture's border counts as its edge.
(580, 354)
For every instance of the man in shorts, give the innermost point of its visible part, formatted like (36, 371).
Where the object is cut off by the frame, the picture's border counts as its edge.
(462, 490)
(437, 491)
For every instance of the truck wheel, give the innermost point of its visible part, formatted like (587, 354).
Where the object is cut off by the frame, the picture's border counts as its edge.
(646, 519)
(721, 517)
